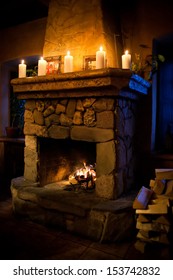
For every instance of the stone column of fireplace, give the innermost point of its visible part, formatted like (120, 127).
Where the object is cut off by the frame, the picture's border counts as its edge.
(92, 106)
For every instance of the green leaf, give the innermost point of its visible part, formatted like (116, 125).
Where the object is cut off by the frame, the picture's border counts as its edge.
(161, 57)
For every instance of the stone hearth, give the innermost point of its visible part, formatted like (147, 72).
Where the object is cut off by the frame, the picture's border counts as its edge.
(100, 107)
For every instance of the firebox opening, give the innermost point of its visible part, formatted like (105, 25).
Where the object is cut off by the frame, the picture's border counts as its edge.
(61, 158)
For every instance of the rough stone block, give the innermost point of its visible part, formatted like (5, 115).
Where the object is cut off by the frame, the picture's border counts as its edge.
(31, 164)
(35, 129)
(104, 104)
(96, 224)
(28, 116)
(106, 158)
(105, 186)
(58, 132)
(31, 142)
(71, 106)
(38, 117)
(119, 226)
(92, 134)
(105, 119)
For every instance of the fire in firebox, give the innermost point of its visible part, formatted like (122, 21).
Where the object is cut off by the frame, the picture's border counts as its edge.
(85, 177)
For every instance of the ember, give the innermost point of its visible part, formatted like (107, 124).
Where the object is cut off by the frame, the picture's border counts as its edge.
(85, 177)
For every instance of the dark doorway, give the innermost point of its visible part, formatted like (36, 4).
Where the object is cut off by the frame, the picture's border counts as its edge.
(163, 95)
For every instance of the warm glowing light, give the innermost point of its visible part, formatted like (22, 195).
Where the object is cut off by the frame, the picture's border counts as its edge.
(126, 60)
(22, 69)
(86, 171)
(100, 58)
(68, 63)
(42, 65)
(85, 176)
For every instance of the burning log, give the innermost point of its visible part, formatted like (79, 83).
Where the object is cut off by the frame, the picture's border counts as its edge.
(85, 177)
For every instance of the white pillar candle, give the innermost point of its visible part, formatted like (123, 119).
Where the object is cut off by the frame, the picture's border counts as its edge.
(68, 63)
(22, 70)
(100, 58)
(126, 60)
(42, 65)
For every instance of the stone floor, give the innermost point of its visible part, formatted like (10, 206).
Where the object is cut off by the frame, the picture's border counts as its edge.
(21, 239)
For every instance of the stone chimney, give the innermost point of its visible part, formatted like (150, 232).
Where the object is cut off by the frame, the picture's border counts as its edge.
(81, 27)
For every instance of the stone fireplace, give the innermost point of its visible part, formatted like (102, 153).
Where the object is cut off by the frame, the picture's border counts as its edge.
(83, 116)
(75, 117)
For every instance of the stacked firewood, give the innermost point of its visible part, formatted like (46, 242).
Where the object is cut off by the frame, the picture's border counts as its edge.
(154, 210)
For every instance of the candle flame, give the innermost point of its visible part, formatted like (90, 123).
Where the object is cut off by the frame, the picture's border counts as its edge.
(68, 52)
(101, 48)
(126, 52)
(22, 61)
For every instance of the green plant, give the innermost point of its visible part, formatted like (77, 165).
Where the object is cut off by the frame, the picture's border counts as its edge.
(146, 67)
(16, 112)
(17, 105)
(33, 71)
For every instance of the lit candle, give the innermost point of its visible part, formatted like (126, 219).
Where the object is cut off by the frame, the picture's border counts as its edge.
(42, 65)
(22, 69)
(126, 60)
(100, 58)
(68, 63)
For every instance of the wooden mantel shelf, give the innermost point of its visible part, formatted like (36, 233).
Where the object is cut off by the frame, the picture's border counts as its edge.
(76, 84)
